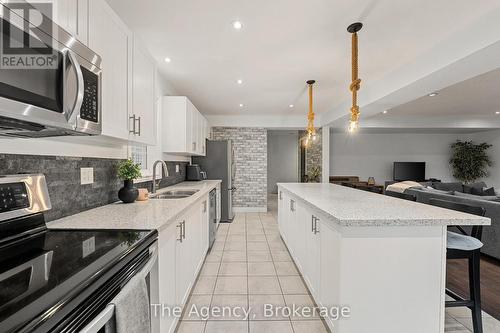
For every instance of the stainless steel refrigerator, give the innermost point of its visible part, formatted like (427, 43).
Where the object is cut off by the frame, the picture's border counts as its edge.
(219, 164)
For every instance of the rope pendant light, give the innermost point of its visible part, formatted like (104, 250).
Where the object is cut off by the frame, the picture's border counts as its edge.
(356, 81)
(311, 130)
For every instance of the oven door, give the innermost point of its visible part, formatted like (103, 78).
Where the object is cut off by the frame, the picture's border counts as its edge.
(46, 88)
(104, 322)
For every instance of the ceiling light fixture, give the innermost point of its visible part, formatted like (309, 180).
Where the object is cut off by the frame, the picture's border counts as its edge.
(239, 81)
(167, 59)
(434, 94)
(384, 112)
(356, 81)
(310, 130)
(291, 105)
(241, 105)
(498, 112)
(237, 25)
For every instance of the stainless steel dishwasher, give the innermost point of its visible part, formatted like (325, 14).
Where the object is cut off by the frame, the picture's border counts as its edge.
(212, 216)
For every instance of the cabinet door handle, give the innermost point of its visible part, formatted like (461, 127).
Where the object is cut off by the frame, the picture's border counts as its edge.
(184, 229)
(204, 206)
(281, 195)
(291, 205)
(139, 122)
(312, 223)
(180, 232)
(316, 225)
(132, 117)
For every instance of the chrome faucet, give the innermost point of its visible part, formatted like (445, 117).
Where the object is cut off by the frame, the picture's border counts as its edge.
(164, 167)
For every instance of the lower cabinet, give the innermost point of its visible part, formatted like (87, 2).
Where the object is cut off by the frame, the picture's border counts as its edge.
(182, 249)
(311, 241)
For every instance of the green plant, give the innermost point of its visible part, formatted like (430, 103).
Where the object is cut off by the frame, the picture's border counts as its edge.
(470, 161)
(314, 174)
(128, 170)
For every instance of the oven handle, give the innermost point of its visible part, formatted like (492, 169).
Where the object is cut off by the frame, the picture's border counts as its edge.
(100, 321)
(80, 85)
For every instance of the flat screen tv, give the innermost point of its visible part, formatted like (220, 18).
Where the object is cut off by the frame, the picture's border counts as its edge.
(409, 171)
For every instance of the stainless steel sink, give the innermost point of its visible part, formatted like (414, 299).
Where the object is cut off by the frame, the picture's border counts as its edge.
(175, 194)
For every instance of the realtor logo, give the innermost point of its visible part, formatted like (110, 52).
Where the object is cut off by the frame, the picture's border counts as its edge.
(22, 45)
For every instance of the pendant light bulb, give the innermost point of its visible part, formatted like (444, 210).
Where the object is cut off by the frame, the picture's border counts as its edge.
(353, 126)
(314, 137)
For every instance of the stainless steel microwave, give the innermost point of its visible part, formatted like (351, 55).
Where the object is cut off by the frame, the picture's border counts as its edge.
(50, 83)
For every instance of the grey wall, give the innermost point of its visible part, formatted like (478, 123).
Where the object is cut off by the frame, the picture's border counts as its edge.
(63, 180)
(250, 147)
(282, 158)
(366, 155)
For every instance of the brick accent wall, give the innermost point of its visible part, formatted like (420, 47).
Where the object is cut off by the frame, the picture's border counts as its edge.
(314, 152)
(250, 148)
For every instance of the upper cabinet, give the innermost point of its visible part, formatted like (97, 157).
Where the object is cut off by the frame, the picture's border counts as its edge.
(72, 15)
(112, 40)
(143, 111)
(184, 127)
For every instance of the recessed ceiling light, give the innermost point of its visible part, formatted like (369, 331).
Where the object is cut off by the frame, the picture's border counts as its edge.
(498, 112)
(239, 81)
(167, 59)
(291, 105)
(384, 112)
(241, 105)
(237, 25)
(434, 94)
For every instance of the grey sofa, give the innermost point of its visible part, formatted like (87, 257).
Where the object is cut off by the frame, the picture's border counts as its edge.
(491, 234)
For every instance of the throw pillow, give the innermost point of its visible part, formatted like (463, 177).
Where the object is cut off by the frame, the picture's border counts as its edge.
(476, 197)
(489, 191)
(455, 186)
(433, 190)
(469, 187)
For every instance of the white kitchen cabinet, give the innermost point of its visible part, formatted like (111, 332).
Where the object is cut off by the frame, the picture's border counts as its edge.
(205, 232)
(219, 202)
(329, 275)
(72, 16)
(112, 40)
(142, 116)
(182, 249)
(167, 243)
(183, 127)
(313, 250)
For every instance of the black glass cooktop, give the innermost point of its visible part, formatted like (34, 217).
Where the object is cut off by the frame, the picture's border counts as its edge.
(49, 268)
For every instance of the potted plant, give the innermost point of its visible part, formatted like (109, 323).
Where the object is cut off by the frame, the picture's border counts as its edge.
(470, 161)
(128, 171)
(314, 175)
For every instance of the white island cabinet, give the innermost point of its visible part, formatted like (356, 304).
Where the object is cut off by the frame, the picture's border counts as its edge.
(380, 258)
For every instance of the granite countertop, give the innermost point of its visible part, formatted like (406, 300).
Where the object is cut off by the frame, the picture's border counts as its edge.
(151, 214)
(351, 207)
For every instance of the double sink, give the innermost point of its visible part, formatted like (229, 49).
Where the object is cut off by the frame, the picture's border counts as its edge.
(174, 194)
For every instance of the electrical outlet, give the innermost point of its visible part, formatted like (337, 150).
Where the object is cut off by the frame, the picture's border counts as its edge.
(177, 168)
(86, 176)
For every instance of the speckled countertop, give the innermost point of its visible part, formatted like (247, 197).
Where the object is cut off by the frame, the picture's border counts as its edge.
(151, 214)
(351, 207)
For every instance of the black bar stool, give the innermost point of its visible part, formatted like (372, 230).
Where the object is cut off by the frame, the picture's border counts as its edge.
(464, 246)
(404, 196)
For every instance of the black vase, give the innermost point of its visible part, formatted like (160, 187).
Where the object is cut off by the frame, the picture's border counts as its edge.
(128, 193)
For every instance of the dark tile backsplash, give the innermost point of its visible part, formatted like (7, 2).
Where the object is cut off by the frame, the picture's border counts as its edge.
(63, 180)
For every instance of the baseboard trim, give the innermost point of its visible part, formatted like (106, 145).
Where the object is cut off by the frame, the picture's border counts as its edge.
(250, 209)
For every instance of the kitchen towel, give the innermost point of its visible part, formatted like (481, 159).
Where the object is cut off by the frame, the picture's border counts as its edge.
(132, 307)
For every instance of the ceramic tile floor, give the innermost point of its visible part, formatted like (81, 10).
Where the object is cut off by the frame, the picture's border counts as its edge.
(249, 266)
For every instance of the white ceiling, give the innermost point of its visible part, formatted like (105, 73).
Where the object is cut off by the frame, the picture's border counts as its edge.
(479, 96)
(283, 43)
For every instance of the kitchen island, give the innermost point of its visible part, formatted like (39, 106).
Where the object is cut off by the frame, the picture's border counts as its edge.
(382, 258)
